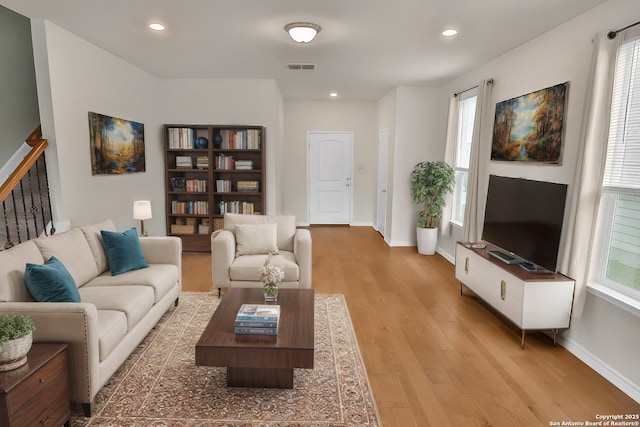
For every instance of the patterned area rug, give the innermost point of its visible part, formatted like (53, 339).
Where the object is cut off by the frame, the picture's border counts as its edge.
(159, 385)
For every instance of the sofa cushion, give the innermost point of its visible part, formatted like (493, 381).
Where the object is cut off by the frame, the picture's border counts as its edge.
(133, 301)
(123, 251)
(246, 267)
(50, 282)
(286, 226)
(113, 327)
(94, 238)
(256, 239)
(160, 277)
(12, 263)
(72, 249)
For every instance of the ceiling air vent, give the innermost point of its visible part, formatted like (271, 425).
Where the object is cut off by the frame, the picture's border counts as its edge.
(301, 66)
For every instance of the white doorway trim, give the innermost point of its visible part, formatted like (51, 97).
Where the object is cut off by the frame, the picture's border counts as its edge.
(383, 176)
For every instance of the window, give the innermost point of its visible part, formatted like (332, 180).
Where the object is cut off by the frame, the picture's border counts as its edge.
(620, 203)
(462, 153)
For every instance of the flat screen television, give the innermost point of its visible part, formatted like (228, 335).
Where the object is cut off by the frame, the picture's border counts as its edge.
(524, 217)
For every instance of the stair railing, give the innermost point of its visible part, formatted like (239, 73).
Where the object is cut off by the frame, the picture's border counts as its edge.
(26, 206)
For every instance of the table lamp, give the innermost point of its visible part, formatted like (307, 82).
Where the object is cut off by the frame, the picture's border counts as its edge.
(142, 211)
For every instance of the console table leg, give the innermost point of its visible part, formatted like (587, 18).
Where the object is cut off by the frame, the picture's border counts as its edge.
(555, 335)
(522, 340)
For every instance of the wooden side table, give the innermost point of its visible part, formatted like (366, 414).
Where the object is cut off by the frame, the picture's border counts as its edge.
(37, 393)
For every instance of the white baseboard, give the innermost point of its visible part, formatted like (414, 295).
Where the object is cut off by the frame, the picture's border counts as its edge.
(401, 243)
(614, 377)
(446, 255)
(362, 224)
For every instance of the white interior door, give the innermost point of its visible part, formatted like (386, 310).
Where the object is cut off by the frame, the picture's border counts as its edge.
(330, 167)
(383, 156)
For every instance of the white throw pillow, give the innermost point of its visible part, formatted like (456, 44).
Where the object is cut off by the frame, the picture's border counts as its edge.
(256, 239)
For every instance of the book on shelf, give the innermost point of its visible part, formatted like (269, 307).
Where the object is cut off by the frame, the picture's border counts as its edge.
(236, 206)
(244, 164)
(253, 139)
(252, 186)
(224, 162)
(240, 139)
(202, 162)
(195, 185)
(255, 331)
(258, 312)
(191, 207)
(181, 138)
(223, 185)
(184, 162)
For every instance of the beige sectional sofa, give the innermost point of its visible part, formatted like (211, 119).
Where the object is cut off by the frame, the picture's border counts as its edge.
(114, 313)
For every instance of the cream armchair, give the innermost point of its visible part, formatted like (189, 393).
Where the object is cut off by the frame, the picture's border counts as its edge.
(238, 251)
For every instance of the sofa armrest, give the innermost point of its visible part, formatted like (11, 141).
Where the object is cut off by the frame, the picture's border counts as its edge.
(223, 252)
(75, 324)
(302, 252)
(162, 250)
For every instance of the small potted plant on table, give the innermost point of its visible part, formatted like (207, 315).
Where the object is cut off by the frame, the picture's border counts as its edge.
(16, 336)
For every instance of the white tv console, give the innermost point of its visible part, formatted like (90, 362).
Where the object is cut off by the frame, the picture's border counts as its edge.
(531, 301)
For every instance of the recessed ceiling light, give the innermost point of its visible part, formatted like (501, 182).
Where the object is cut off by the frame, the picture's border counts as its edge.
(333, 94)
(156, 26)
(449, 32)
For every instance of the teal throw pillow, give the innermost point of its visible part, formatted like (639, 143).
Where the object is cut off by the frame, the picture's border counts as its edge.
(123, 251)
(51, 282)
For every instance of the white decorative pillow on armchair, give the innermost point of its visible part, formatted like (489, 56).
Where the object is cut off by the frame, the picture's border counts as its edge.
(254, 239)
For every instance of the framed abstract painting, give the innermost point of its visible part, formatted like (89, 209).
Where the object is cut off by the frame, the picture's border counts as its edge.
(529, 128)
(117, 145)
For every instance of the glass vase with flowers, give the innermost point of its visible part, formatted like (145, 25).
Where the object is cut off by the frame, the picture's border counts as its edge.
(270, 275)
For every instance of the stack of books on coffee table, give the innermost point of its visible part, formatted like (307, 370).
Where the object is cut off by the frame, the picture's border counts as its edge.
(257, 319)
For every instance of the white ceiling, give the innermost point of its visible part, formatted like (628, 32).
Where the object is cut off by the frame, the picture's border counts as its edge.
(365, 48)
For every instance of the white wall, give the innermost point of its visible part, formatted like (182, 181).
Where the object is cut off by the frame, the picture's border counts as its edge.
(75, 77)
(602, 337)
(416, 139)
(357, 117)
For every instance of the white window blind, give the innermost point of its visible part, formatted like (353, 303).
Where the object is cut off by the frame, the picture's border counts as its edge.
(622, 168)
(621, 181)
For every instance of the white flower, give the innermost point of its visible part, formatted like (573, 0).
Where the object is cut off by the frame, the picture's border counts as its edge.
(270, 273)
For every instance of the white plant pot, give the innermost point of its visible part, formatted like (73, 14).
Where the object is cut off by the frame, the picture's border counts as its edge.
(427, 240)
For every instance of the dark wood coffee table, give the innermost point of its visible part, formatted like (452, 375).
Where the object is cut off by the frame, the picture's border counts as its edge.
(256, 360)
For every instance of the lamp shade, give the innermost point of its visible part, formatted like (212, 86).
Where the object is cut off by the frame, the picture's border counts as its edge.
(302, 32)
(142, 209)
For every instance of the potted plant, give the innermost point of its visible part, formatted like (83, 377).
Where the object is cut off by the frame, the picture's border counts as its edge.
(16, 336)
(430, 183)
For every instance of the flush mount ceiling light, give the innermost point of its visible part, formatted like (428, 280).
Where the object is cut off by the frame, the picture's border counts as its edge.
(333, 94)
(156, 26)
(449, 32)
(302, 32)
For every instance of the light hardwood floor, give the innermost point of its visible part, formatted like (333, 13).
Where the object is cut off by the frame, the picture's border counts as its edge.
(434, 357)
